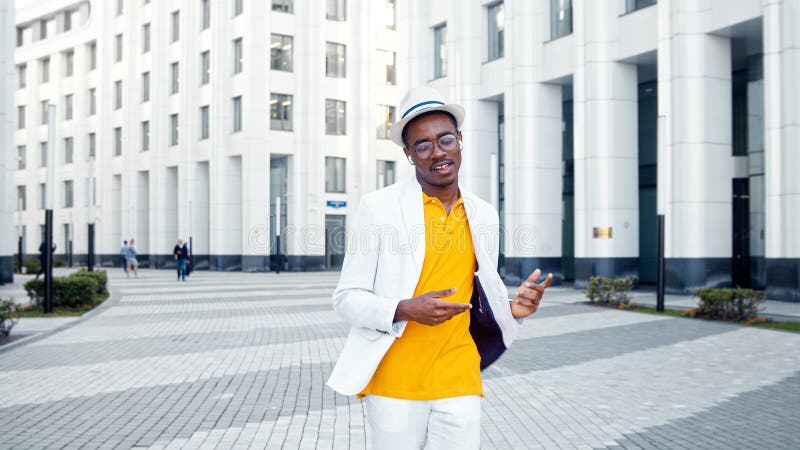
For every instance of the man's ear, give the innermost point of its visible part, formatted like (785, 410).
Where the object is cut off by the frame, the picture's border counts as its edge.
(405, 150)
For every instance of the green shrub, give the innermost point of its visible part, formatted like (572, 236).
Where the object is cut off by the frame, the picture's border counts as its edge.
(99, 276)
(31, 265)
(734, 304)
(8, 317)
(609, 291)
(68, 292)
(59, 263)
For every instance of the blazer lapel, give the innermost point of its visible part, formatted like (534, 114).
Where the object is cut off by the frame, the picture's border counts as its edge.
(414, 221)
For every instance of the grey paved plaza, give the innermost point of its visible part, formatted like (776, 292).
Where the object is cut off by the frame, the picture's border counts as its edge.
(233, 360)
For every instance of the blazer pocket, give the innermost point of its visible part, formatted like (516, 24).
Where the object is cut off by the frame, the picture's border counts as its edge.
(368, 334)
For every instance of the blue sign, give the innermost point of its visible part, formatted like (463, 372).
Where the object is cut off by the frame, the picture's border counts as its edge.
(336, 203)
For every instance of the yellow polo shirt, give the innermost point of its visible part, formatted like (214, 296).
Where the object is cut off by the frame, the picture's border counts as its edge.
(442, 361)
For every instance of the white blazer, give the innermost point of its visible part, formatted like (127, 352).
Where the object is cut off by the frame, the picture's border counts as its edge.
(382, 265)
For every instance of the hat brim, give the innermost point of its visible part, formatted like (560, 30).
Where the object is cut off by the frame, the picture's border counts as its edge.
(396, 133)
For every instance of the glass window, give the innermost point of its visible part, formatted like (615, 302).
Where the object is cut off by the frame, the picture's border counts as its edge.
(633, 5)
(280, 106)
(68, 107)
(21, 117)
(286, 6)
(69, 17)
(117, 141)
(238, 7)
(145, 87)
(281, 50)
(335, 60)
(237, 114)
(93, 56)
(176, 26)
(24, 35)
(386, 173)
(145, 135)
(145, 38)
(120, 7)
(204, 122)
(336, 10)
(496, 19)
(45, 67)
(22, 162)
(118, 48)
(237, 55)
(42, 193)
(385, 120)
(118, 94)
(43, 155)
(69, 63)
(22, 75)
(391, 16)
(68, 197)
(47, 27)
(205, 67)
(205, 21)
(335, 172)
(21, 200)
(43, 105)
(174, 78)
(560, 18)
(92, 145)
(92, 101)
(173, 126)
(68, 150)
(389, 63)
(335, 117)
(440, 51)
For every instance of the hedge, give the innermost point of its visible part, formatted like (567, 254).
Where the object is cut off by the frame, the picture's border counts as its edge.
(98, 276)
(609, 291)
(8, 317)
(735, 304)
(78, 289)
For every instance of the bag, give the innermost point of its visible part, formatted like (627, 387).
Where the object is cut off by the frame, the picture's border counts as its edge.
(188, 267)
(484, 328)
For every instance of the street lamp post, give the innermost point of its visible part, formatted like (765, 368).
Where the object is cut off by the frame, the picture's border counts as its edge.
(278, 233)
(48, 210)
(90, 256)
(19, 234)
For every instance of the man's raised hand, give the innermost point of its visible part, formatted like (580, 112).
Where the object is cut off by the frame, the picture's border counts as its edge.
(427, 309)
(526, 299)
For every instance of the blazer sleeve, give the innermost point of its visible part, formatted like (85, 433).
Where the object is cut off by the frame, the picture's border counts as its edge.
(354, 298)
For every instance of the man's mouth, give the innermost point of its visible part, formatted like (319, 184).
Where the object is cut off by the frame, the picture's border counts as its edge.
(442, 166)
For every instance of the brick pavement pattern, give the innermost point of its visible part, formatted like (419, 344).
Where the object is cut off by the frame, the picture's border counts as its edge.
(234, 360)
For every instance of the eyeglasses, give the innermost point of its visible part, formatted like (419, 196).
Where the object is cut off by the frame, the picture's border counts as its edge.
(424, 149)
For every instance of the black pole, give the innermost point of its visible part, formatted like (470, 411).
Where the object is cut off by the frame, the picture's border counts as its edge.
(48, 261)
(69, 248)
(191, 250)
(19, 253)
(278, 264)
(660, 289)
(90, 257)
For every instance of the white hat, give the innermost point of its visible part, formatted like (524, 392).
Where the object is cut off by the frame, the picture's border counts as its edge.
(421, 100)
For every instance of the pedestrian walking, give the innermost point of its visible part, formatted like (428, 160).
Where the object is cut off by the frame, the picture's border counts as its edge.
(181, 254)
(133, 263)
(425, 322)
(43, 258)
(123, 253)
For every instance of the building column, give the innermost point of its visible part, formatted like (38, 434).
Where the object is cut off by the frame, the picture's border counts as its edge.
(532, 153)
(605, 152)
(695, 97)
(8, 192)
(782, 154)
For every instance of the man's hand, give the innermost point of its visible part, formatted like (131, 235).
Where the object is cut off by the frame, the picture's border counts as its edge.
(526, 299)
(427, 309)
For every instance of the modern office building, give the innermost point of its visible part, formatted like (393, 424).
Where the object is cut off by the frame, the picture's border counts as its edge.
(204, 119)
(588, 118)
(585, 121)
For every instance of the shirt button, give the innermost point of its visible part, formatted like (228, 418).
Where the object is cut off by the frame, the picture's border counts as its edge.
(442, 218)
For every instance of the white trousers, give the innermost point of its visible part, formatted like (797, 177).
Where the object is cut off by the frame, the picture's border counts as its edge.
(450, 423)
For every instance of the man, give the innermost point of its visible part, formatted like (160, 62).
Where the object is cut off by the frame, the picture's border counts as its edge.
(420, 250)
(43, 258)
(123, 252)
(181, 254)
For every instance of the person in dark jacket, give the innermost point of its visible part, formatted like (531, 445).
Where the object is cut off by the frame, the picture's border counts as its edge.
(42, 258)
(181, 254)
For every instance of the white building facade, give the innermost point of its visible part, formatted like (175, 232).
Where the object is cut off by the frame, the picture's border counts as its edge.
(204, 117)
(586, 119)
(7, 163)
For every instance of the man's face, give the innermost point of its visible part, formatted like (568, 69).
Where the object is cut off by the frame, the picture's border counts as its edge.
(440, 168)
(180, 241)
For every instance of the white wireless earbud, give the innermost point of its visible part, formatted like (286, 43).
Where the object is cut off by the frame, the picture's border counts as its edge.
(410, 161)
(460, 145)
